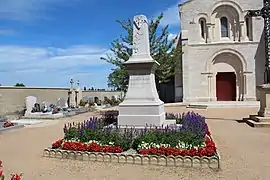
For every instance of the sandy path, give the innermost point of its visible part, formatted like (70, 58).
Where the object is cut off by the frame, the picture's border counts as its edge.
(244, 152)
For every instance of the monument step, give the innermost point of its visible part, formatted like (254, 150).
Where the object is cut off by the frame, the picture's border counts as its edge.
(258, 118)
(255, 124)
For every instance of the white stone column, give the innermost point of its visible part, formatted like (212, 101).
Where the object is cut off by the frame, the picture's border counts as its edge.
(209, 36)
(243, 29)
(210, 89)
(213, 33)
(241, 85)
(249, 86)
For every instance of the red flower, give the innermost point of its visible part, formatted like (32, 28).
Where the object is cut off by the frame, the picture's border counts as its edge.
(15, 177)
(7, 124)
(57, 144)
(93, 147)
(209, 150)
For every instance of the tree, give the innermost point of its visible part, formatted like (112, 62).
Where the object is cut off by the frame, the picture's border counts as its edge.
(84, 88)
(19, 85)
(161, 48)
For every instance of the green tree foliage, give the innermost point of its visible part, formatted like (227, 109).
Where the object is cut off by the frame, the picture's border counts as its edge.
(161, 48)
(19, 85)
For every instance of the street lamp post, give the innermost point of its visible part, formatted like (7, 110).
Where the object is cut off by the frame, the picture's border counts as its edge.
(263, 117)
(265, 13)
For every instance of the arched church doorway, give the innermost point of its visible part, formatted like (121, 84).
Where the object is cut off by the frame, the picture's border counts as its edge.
(226, 80)
(226, 86)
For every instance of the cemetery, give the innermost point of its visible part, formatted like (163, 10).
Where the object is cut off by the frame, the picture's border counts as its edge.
(137, 136)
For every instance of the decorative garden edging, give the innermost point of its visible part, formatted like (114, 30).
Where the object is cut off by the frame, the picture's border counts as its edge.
(172, 161)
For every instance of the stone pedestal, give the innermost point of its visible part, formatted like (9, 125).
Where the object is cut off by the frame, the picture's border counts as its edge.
(264, 100)
(72, 98)
(141, 105)
(263, 117)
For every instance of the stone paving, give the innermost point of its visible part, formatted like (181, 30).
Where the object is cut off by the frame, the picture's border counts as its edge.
(244, 152)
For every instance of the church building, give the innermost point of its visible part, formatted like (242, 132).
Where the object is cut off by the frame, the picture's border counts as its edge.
(223, 51)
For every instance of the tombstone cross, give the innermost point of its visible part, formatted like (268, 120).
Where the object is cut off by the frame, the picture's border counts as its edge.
(71, 83)
(265, 13)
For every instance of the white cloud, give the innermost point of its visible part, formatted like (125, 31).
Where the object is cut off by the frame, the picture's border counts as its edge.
(24, 10)
(171, 15)
(37, 66)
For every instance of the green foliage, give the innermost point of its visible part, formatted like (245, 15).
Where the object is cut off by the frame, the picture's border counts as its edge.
(82, 102)
(161, 48)
(19, 85)
(168, 137)
(71, 133)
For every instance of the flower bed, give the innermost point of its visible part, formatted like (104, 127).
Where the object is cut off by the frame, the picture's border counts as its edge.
(7, 124)
(191, 139)
(13, 176)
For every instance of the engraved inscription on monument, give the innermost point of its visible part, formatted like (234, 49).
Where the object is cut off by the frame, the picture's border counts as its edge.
(138, 81)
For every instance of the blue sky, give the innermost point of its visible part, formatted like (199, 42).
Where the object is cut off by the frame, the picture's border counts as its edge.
(47, 42)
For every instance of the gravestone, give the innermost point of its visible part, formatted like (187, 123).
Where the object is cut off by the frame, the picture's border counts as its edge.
(141, 105)
(30, 102)
(36, 108)
(44, 107)
(86, 98)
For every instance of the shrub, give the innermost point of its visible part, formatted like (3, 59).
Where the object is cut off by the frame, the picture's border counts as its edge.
(107, 100)
(82, 102)
(195, 123)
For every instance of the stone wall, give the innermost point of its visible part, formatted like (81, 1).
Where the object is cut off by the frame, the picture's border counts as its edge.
(13, 98)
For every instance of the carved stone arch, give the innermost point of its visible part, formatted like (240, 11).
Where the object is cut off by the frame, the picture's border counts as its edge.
(210, 62)
(202, 15)
(232, 4)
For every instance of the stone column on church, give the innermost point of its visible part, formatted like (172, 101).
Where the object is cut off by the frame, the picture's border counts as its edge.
(210, 86)
(209, 32)
(243, 30)
(249, 88)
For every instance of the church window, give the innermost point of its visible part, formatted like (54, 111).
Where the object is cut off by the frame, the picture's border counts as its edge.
(249, 28)
(224, 27)
(202, 22)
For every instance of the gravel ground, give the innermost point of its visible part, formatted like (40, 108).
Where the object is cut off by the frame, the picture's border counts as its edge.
(244, 152)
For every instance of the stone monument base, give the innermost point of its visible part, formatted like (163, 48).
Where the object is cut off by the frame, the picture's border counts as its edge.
(139, 115)
(263, 117)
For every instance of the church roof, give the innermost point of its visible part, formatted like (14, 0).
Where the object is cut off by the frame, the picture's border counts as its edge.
(183, 2)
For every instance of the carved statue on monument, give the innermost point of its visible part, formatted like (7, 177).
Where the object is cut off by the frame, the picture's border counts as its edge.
(141, 48)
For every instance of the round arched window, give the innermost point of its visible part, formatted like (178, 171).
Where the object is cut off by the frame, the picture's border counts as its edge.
(202, 22)
(224, 27)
